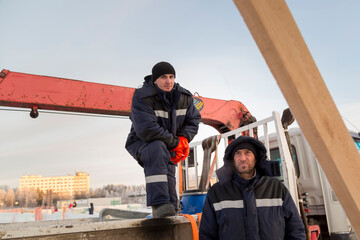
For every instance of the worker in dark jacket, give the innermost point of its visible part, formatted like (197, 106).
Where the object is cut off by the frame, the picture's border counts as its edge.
(247, 203)
(164, 120)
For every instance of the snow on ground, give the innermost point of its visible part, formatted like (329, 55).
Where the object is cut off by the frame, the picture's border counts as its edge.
(46, 214)
(29, 215)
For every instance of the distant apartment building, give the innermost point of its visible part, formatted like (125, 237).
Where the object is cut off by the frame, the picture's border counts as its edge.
(77, 184)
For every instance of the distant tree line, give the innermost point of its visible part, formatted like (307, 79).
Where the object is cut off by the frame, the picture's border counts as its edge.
(128, 193)
(35, 197)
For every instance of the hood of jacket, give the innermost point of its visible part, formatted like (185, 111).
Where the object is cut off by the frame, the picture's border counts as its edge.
(262, 166)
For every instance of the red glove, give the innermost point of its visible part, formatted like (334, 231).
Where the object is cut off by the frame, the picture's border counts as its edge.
(186, 148)
(181, 151)
(176, 156)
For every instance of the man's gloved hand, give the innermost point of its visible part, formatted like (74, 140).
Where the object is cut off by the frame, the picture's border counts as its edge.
(186, 148)
(176, 156)
(181, 151)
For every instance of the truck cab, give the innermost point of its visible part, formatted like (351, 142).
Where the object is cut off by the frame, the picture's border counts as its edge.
(322, 206)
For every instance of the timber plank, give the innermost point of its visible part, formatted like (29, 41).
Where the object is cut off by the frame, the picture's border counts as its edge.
(285, 52)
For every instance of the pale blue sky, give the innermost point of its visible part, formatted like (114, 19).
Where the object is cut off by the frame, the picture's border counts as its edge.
(118, 42)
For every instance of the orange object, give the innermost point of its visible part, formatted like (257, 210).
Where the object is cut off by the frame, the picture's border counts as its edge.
(185, 147)
(194, 227)
(51, 93)
(180, 180)
(181, 151)
(314, 232)
(38, 214)
(177, 156)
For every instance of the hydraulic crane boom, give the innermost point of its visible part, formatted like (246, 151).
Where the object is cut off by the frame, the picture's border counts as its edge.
(52, 93)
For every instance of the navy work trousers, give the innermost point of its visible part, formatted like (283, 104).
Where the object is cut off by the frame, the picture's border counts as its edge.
(159, 173)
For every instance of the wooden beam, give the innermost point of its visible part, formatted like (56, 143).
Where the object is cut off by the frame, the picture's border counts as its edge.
(281, 44)
(171, 228)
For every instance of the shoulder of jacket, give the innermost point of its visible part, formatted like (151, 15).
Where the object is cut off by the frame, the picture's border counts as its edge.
(273, 180)
(183, 90)
(214, 187)
(145, 91)
(270, 181)
(220, 186)
(275, 183)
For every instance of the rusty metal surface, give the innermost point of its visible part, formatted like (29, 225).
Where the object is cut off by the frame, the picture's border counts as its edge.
(224, 115)
(52, 93)
(27, 90)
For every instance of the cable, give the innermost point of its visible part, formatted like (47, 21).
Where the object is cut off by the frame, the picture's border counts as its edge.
(226, 82)
(65, 113)
(350, 123)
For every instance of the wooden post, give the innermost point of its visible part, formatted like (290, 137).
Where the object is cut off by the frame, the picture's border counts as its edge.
(281, 44)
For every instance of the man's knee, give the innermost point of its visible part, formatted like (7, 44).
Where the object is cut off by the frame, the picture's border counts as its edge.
(154, 150)
(157, 145)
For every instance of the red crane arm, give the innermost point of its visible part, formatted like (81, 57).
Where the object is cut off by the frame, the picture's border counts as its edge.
(52, 93)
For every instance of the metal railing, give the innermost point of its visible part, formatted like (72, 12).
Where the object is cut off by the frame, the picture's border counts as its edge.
(262, 127)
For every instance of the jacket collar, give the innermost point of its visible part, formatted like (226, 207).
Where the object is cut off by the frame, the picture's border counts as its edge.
(245, 182)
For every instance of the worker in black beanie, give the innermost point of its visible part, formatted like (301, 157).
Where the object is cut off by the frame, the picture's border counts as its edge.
(245, 145)
(256, 205)
(162, 68)
(164, 121)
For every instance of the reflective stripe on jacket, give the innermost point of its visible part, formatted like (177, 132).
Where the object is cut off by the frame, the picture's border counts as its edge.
(153, 118)
(260, 208)
(235, 211)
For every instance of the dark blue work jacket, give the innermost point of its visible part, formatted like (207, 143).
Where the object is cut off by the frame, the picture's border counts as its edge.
(260, 208)
(158, 115)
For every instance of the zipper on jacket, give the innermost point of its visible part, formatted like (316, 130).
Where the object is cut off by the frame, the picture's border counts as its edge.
(223, 231)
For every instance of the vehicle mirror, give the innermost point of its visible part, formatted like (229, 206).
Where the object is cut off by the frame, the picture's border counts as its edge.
(287, 118)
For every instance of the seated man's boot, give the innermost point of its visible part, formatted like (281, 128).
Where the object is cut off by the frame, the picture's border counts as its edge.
(163, 210)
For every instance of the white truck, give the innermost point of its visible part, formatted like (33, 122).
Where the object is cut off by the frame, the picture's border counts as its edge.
(321, 205)
(324, 209)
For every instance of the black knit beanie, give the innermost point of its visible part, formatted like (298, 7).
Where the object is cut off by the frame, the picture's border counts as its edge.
(162, 68)
(245, 145)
